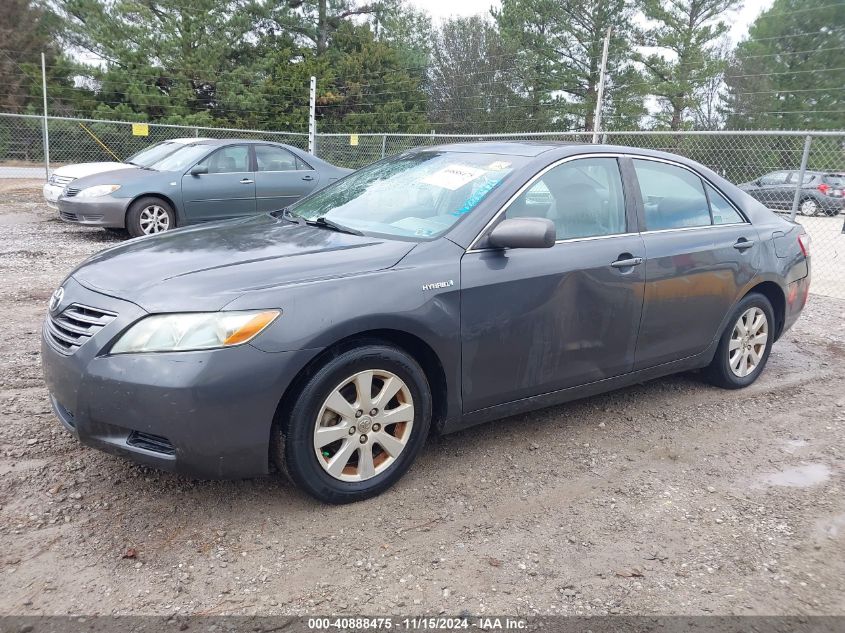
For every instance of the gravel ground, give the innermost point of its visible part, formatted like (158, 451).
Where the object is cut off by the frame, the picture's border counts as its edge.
(671, 497)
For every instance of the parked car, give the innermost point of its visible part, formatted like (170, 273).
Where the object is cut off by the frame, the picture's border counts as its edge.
(201, 181)
(61, 177)
(443, 287)
(821, 191)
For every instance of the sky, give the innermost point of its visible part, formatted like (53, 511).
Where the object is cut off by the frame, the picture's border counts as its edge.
(444, 8)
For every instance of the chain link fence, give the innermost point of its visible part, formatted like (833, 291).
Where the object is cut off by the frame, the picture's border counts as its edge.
(90, 140)
(798, 174)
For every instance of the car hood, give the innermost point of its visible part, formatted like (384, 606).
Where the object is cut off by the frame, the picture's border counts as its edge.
(206, 267)
(87, 169)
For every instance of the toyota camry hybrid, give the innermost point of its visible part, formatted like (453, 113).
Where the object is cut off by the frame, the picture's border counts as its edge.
(437, 289)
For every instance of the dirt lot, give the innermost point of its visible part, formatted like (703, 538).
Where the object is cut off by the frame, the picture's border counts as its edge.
(669, 497)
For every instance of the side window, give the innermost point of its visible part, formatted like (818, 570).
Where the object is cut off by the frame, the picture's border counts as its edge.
(673, 197)
(723, 212)
(269, 158)
(582, 197)
(775, 178)
(302, 165)
(227, 160)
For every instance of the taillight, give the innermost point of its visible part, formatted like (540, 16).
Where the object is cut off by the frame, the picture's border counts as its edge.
(804, 244)
(824, 188)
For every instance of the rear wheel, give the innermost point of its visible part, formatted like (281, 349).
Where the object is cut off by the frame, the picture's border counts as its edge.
(357, 426)
(149, 216)
(809, 207)
(745, 344)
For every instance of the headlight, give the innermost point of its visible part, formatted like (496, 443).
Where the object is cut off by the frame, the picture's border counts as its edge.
(193, 331)
(96, 192)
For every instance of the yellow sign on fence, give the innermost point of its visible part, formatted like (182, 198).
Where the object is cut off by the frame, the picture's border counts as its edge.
(140, 129)
(353, 139)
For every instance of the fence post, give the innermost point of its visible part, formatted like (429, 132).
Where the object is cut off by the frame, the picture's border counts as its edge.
(600, 95)
(383, 144)
(804, 157)
(312, 118)
(196, 132)
(46, 135)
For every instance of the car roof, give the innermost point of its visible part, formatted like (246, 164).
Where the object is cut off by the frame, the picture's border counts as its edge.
(230, 141)
(513, 148)
(187, 140)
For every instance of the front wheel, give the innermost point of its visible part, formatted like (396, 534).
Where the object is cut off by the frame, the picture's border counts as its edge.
(357, 425)
(745, 344)
(149, 216)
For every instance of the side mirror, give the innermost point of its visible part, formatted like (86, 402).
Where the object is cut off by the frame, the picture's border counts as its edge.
(523, 233)
(196, 170)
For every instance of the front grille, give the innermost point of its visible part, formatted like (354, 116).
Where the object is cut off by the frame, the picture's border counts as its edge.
(68, 217)
(70, 192)
(150, 442)
(61, 180)
(76, 324)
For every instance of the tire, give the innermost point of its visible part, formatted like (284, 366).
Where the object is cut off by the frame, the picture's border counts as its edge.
(808, 207)
(149, 216)
(727, 369)
(341, 472)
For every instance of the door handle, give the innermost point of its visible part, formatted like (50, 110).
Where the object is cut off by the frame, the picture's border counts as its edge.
(743, 244)
(247, 181)
(627, 263)
(308, 177)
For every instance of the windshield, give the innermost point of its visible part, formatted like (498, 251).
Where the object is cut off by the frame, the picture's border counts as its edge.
(418, 195)
(150, 155)
(181, 159)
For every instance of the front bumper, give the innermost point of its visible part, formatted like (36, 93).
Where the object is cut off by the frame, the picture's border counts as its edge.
(52, 194)
(206, 414)
(104, 211)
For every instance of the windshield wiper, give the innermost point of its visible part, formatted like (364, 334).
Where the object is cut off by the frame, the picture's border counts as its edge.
(287, 215)
(324, 222)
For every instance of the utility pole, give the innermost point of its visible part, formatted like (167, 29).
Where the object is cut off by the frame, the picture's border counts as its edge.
(46, 134)
(600, 95)
(312, 118)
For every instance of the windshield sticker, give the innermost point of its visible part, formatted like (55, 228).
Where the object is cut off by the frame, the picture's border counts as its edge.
(453, 177)
(498, 165)
(477, 196)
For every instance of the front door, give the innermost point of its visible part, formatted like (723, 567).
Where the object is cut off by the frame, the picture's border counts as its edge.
(280, 179)
(227, 190)
(774, 190)
(539, 320)
(697, 261)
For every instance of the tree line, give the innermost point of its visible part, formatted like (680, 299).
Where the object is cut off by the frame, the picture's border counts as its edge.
(385, 66)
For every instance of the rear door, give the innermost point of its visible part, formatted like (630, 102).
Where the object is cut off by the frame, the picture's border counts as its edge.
(540, 320)
(697, 262)
(281, 179)
(226, 191)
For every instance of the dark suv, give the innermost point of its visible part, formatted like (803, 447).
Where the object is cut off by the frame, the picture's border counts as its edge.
(821, 192)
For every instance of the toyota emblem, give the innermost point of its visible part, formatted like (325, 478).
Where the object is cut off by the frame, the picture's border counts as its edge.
(56, 299)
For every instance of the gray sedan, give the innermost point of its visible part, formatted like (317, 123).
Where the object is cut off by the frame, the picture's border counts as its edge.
(200, 182)
(437, 289)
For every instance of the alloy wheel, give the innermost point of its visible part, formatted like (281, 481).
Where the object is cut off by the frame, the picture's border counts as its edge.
(364, 425)
(748, 342)
(154, 219)
(809, 207)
